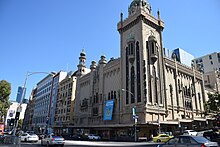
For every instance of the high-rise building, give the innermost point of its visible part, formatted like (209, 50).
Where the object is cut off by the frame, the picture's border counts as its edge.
(19, 94)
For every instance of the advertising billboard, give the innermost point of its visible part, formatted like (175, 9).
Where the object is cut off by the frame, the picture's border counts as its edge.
(109, 105)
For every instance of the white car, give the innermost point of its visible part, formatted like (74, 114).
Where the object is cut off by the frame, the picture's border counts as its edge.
(29, 137)
(190, 132)
(94, 137)
(52, 140)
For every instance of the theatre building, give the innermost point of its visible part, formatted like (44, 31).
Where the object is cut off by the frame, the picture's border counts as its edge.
(142, 87)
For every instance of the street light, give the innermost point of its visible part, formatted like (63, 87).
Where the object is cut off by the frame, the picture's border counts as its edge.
(135, 117)
(19, 108)
(158, 119)
(158, 114)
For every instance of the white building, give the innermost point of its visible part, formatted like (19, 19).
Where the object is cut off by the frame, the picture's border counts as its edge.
(12, 111)
(210, 62)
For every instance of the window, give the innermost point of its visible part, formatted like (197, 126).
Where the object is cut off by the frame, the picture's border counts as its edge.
(132, 84)
(211, 62)
(210, 57)
(115, 95)
(131, 48)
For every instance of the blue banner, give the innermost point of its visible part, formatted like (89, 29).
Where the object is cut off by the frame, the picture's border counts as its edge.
(108, 110)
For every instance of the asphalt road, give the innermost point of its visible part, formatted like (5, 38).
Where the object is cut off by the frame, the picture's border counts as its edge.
(71, 143)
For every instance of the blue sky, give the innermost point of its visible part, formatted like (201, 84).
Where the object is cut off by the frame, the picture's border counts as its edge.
(48, 35)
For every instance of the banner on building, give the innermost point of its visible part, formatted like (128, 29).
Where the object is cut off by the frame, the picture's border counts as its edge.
(108, 110)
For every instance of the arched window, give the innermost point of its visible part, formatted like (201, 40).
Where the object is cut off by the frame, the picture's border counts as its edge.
(132, 84)
(127, 75)
(153, 48)
(138, 72)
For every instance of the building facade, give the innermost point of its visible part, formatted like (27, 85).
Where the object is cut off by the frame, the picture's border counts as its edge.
(212, 80)
(27, 122)
(42, 103)
(209, 63)
(45, 101)
(162, 92)
(56, 80)
(64, 114)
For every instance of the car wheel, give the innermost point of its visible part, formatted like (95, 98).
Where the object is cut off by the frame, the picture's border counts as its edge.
(158, 140)
(25, 139)
(48, 144)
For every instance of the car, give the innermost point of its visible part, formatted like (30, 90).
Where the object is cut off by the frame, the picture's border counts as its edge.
(40, 135)
(29, 137)
(162, 138)
(190, 132)
(212, 135)
(53, 140)
(94, 137)
(79, 137)
(189, 140)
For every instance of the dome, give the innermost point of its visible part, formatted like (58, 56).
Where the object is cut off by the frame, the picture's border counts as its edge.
(83, 53)
(135, 3)
(139, 3)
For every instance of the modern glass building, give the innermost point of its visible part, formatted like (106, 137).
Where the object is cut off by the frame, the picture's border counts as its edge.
(19, 94)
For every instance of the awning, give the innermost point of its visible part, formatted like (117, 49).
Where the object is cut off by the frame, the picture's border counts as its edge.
(169, 122)
(186, 120)
(199, 119)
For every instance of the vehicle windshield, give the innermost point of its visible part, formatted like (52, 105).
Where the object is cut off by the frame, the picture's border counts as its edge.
(201, 139)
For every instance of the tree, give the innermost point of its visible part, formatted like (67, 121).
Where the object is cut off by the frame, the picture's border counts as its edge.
(5, 91)
(213, 104)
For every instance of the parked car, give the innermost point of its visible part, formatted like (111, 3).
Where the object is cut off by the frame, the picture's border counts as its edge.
(212, 135)
(52, 139)
(161, 138)
(189, 140)
(94, 137)
(190, 132)
(40, 135)
(29, 137)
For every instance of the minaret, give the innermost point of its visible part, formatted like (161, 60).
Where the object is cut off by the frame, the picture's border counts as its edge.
(82, 64)
(142, 59)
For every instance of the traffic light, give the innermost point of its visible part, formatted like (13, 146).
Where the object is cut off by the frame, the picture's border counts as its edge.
(17, 115)
(12, 122)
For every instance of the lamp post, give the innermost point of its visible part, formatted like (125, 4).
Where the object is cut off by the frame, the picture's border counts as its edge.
(19, 108)
(158, 119)
(135, 117)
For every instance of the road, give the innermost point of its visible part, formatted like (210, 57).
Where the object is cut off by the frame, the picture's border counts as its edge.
(70, 143)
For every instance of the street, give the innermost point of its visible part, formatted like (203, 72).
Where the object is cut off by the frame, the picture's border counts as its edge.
(71, 143)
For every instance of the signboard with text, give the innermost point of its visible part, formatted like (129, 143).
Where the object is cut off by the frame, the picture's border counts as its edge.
(108, 110)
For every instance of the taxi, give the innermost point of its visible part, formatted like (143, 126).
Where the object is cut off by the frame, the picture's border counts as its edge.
(162, 138)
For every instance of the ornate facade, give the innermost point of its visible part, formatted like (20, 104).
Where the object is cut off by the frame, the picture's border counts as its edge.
(164, 93)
